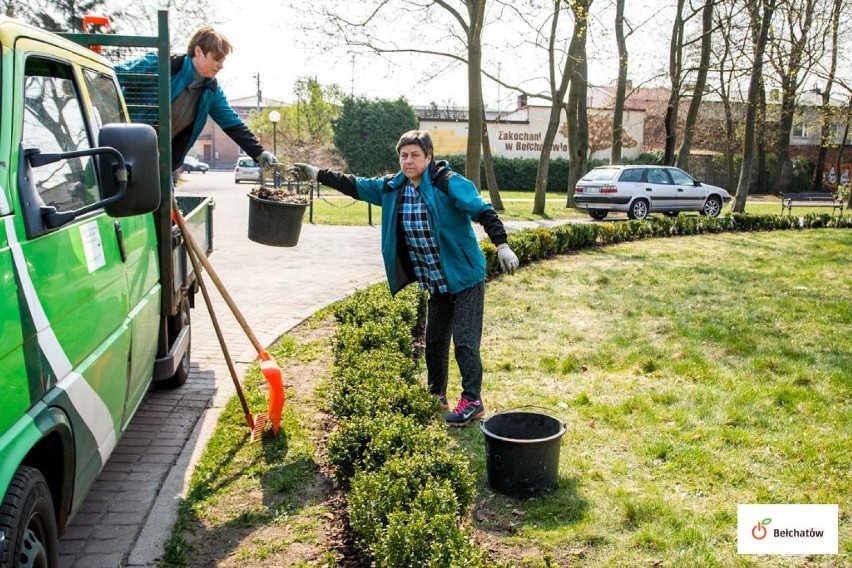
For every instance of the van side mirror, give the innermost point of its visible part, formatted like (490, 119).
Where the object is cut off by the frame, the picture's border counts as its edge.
(137, 144)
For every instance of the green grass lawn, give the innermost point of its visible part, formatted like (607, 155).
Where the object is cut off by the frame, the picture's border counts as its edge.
(694, 373)
(333, 208)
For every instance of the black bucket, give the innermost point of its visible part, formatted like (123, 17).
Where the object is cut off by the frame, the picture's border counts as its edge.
(522, 452)
(275, 223)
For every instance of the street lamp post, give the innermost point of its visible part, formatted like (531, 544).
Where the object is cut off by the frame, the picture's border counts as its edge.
(274, 117)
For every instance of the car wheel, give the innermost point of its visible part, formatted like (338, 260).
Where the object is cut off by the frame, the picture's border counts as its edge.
(176, 324)
(598, 214)
(712, 207)
(638, 209)
(671, 213)
(27, 520)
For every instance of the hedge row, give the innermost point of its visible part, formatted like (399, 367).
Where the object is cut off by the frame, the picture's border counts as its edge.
(407, 488)
(539, 243)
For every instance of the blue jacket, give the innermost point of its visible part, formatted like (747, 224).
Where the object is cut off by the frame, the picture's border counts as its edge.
(212, 103)
(450, 214)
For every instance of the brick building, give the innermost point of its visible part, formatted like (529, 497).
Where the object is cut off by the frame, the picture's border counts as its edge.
(215, 147)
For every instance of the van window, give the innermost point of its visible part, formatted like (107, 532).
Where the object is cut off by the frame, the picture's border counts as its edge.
(54, 123)
(106, 104)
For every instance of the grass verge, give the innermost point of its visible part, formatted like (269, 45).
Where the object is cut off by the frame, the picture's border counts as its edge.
(695, 374)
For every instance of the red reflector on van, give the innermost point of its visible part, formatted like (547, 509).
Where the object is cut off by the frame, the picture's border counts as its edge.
(609, 189)
(578, 189)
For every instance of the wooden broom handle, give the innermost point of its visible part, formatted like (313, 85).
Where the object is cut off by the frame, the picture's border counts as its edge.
(200, 255)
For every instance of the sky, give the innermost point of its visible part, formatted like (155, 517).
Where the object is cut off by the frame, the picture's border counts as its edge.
(268, 41)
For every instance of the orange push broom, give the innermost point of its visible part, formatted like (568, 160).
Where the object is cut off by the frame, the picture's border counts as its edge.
(271, 371)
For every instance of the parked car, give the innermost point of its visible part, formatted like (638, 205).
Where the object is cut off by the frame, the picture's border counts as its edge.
(191, 164)
(247, 170)
(640, 190)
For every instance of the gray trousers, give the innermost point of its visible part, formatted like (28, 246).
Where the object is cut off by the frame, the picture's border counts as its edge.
(457, 317)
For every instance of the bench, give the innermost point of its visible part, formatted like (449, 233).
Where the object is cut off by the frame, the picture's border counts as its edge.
(816, 199)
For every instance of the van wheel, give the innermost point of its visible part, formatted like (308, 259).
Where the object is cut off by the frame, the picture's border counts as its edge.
(638, 209)
(176, 324)
(598, 214)
(28, 520)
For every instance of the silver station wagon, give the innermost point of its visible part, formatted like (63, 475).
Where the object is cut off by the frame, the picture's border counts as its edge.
(640, 190)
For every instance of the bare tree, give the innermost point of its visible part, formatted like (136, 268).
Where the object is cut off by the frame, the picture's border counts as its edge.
(620, 84)
(791, 55)
(837, 8)
(578, 117)
(761, 12)
(185, 16)
(700, 82)
(728, 54)
(558, 89)
(675, 72)
(462, 43)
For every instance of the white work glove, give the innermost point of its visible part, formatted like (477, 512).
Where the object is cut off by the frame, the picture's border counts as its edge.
(304, 172)
(508, 259)
(266, 160)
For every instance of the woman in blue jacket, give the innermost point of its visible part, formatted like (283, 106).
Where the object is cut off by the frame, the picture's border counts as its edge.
(427, 238)
(195, 95)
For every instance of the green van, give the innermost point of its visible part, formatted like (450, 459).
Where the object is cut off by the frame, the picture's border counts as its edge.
(94, 289)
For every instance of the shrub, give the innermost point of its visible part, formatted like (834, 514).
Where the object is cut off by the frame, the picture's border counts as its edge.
(380, 395)
(377, 495)
(417, 539)
(367, 442)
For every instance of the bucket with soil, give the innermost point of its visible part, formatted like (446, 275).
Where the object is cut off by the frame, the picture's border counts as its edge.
(522, 452)
(276, 210)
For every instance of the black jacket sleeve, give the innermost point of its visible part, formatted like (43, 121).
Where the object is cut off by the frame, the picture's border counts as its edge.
(341, 182)
(245, 139)
(493, 226)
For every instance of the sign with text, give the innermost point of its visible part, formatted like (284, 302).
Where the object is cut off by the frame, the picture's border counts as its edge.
(787, 529)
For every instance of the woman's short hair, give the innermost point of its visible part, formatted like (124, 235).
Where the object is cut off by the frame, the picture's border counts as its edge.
(419, 137)
(209, 40)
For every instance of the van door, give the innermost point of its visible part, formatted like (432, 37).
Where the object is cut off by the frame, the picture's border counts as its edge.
(137, 240)
(73, 278)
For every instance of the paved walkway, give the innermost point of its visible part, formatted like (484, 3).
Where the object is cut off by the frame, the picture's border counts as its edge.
(130, 510)
(129, 513)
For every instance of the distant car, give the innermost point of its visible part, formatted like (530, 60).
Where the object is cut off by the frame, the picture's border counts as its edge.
(191, 164)
(640, 190)
(246, 170)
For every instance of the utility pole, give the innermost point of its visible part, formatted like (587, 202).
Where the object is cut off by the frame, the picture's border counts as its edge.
(257, 77)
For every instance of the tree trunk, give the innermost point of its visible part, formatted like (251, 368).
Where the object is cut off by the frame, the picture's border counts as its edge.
(843, 146)
(476, 10)
(825, 115)
(578, 139)
(700, 82)
(490, 177)
(556, 95)
(761, 179)
(764, 20)
(675, 70)
(799, 15)
(620, 85)
(783, 174)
